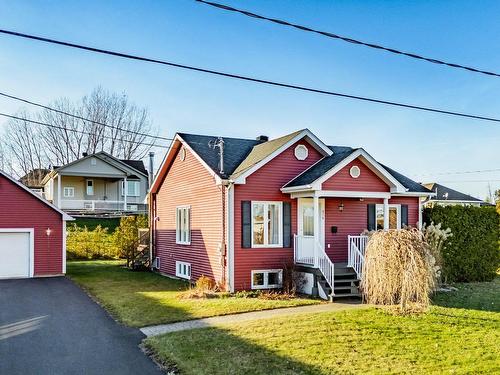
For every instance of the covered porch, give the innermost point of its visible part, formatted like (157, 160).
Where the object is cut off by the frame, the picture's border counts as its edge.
(342, 219)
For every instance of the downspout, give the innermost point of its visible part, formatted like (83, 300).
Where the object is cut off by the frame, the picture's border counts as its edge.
(230, 235)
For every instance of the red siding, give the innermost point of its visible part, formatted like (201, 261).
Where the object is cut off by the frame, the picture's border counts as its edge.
(20, 209)
(353, 221)
(367, 181)
(189, 183)
(264, 185)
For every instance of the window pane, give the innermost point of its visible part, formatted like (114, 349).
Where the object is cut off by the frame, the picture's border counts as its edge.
(307, 219)
(273, 278)
(393, 218)
(274, 224)
(258, 279)
(258, 224)
(380, 216)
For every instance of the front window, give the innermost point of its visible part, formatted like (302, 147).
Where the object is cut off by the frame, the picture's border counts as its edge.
(267, 279)
(183, 225)
(394, 216)
(133, 188)
(183, 270)
(69, 192)
(266, 224)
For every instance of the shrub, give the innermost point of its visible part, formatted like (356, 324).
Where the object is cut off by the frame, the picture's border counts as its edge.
(93, 222)
(205, 287)
(126, 235)
(83, 243)
(398, 270)
(436, 238)
(472, 253)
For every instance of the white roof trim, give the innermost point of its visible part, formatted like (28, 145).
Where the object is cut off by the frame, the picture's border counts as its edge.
(65, 216)
(306, 133)
(414, 194)
(371, 163)
(342, 194)
(178, 140)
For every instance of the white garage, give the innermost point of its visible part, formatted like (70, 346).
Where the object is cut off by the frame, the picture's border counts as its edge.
(16, 252)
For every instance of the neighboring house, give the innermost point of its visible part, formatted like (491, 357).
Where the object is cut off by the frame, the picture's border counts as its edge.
(33, 179)
(98, 184)
(445, 196)
(32, 233)
(272, 203)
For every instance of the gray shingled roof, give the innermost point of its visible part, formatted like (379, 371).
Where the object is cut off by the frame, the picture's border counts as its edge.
(235, 151)
(453, 195)
(136, 164)
(240, 154)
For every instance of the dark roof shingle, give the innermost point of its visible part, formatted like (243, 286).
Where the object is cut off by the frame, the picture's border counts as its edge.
(448, 194)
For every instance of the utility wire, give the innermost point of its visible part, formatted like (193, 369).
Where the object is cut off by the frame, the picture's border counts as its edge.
(246, 78)
(460, 172)
(78, 131)
(348, 39)
(82, 118)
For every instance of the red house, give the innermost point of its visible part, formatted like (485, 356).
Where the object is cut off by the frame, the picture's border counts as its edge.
(32, 233)
(240, 210)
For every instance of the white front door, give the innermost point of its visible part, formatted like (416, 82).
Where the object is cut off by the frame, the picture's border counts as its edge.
(305, 239)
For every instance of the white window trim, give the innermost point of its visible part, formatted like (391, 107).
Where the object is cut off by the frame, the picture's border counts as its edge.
(138, 188)
(266, 285)
(266, 219)
(398, 208)
(182, 275)
(297, 151)
(69, 188)
(177, 226)
(87, 187)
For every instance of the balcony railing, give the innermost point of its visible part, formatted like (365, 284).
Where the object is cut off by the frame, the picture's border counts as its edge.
(100, 205)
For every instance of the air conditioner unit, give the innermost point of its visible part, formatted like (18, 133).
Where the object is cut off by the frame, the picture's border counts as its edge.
(156, 263)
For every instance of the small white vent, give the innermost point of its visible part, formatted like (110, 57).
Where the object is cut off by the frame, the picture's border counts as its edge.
(156, 263)
(182, 154)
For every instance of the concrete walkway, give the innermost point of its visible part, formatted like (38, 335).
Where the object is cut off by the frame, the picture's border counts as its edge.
(249, 316)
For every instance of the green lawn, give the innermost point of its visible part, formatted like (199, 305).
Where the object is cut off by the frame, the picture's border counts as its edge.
(140, 298)
(460, 336)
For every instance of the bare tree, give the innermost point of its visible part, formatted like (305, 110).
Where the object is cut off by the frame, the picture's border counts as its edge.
(106, 122)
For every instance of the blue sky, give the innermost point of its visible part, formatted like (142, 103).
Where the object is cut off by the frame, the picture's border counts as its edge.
(415, 143)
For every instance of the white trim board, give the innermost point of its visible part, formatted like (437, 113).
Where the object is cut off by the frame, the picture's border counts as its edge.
(31, 232)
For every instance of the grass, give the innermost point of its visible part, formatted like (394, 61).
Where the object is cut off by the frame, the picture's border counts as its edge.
(140, 299)
(459, 336)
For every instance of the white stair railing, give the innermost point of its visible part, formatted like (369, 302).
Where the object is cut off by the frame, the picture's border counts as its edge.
(325, 265)
(356, 256)
(302, 254)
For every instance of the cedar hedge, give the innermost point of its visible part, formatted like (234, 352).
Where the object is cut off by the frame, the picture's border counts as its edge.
(472, 253)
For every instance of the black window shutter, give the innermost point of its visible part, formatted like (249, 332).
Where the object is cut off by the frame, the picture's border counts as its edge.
(287, 224)
(404, 215)
(372, 222)
(246, 224)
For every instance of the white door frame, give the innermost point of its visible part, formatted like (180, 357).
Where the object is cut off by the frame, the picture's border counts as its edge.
(31, 232)
(300, 202)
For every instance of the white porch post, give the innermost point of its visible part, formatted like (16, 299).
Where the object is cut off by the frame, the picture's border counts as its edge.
(59, 190)
(317, 214)
(125, 193)
(386, 213)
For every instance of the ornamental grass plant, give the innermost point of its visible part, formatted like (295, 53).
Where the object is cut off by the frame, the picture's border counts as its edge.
(399, 270)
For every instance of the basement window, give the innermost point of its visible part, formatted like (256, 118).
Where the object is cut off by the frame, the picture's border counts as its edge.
(267, 279)
(183, 270)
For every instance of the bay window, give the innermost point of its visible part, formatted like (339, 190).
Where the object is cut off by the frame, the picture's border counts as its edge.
(267, 224)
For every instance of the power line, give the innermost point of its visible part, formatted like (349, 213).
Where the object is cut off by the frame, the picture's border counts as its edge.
(348, 39)
(82, 118)
(465, 181)
(78, 131)
(246, 78)
(460, 172)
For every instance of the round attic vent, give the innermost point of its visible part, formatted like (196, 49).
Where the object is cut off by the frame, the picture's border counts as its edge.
(301, 152)
(182, 154)
(354, 171)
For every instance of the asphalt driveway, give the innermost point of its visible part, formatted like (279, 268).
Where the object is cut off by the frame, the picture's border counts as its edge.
(50, 326)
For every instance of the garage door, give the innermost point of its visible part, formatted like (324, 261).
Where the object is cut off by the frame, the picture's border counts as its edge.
(14, 254)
